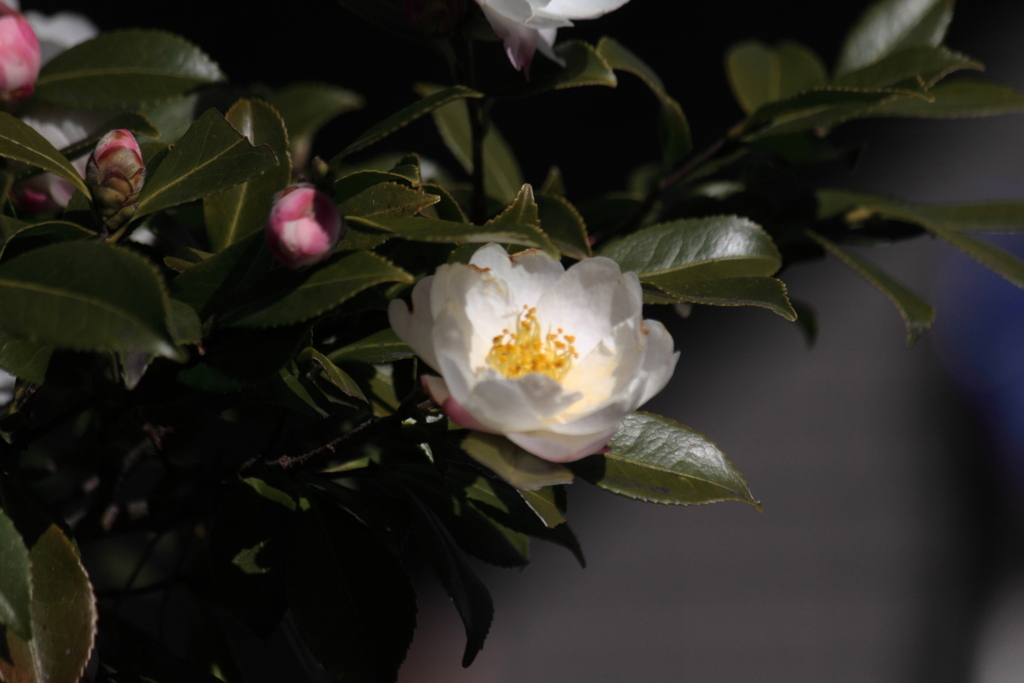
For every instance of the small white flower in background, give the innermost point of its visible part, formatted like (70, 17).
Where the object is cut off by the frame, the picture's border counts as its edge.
(551, 358)
(529, 25)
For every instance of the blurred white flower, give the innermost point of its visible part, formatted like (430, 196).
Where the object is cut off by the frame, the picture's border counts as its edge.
(529, 25)
(552, 358)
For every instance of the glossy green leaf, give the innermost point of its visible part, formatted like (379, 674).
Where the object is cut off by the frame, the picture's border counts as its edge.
(564, 225)
(583, 66)
(766, 292)
(15, 581)
(336, 375)
(40, 234)
(447, 208)
(307, 107)
(954, 99)
(502, 177)
(20, 142)
(172, 118)
(999, 261)
(88, 296)
(917, 313)
(350, 598)
(467, 592)
(125, 68)
(211, 157)
(380, 347)
(520, 469)
(674, 129)
(889, 26)
(658, 460)
(523, 212)
(183, 323)
(405, 117)
(696, 250)
(241, 210)
(23, 358)
(309, 293)
(387, 199)
(990, 217)
(63, 617)
(542, 502)
(349, 186)
(760, 74)
(824, 104)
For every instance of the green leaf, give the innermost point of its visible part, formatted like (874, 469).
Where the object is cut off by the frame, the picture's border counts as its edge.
(23, 358)
(940, 221)
(676, 140)
(291, 297)
(954, 99)
(87, 296)
(124, 68)
(523, 212)
(889, 26)
(336, 375)
(766, 292)
(467, 592)
(564, 225)
(20, 142)
(183, 323)
(917, 313)
(15, 581)
(447, 209)
(137, 123)
(542, 502)
(420, 229)
(583, 66)
(405, 117)
(241, 210)
(760, 74)
(696, 250)
(356, 183)
(990, 217)
(41, 234)
(209, 158)
(502, 177)
(520, 469)
(209, 284)
(350, 598)
(923, 66)
(307, 107)
(380, 347)
(658, 460)
(387, 199)
(63, 617)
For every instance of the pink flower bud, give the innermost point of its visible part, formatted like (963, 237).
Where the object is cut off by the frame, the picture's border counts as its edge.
(436, 17)
(20, 57)
(115, 174)
(303, 227)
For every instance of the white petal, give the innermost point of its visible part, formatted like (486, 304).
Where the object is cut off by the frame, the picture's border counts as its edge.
(484, 299)
(546, 45)
(514, 10)
(590, 300)
(520, 40)
(415, 327)
(58, 32)
(559, 447)
(508, 405)
(528, 274)
(452, 337)
(582, 9)
(659, 361)
(436, 388)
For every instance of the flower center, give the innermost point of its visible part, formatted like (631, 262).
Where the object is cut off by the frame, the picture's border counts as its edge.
(526, 350)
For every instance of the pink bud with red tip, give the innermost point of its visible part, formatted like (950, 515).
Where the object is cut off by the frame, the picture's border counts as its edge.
(303, 227)
(20, 57)
(115, 175)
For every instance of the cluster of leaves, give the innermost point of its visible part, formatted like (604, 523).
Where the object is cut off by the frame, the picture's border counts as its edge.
(204, 422)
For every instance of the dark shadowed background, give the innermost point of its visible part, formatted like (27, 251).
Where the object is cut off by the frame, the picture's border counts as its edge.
(889, 546)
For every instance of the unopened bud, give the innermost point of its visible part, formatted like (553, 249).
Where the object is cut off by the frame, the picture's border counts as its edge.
(115, 175)
(436, 17)
(303, 227)
(20, 57)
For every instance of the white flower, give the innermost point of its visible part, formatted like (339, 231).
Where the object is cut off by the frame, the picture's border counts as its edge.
(552, 358)
(529, 25)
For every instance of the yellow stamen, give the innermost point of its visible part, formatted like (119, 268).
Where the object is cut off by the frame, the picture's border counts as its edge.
(526, 350)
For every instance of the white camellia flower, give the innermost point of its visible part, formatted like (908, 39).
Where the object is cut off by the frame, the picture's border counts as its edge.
(551, 358)
(529, 25)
